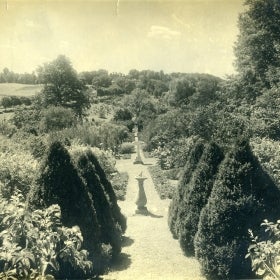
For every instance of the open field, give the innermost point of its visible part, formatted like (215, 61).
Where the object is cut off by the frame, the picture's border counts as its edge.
(13, 89)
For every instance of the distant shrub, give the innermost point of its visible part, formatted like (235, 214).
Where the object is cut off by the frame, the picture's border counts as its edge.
(27, 119)
(127, 148)
(176, 210)
(242, 196)
(123, 115)
(56, 118)
(105, 158)
(119, 183)
(6, 128)
(106, 136)
(59, 182)
(197, 194)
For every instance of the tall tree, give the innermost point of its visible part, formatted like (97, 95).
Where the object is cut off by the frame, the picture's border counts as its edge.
(62, 86)
(258, 46)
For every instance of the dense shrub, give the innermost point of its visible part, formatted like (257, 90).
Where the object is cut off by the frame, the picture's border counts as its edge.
(6, 128)
(105, 158)
(17, 169)
(127, 148)
(58, 182)
(123, 115)
(109, 227)
(267, 151)
(173, 153)
(175, 209)
(27, 119)
(199, 189)
(242, 196)
(105, 135)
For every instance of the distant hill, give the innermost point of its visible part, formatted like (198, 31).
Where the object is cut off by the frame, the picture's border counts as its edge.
(13, 89)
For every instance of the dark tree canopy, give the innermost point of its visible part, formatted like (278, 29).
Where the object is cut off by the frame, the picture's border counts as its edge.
(62, 86)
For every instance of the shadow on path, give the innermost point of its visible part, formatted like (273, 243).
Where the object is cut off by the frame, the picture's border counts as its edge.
(153, 215)
(127, 241)
(122, 262)
(148, 213)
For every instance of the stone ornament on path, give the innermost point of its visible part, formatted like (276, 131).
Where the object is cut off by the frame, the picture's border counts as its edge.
(141, 199)
(138, 159)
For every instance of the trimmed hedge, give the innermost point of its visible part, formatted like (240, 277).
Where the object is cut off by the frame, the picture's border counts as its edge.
(115, 209)
(110, 230)
(59, 183)
(199, 190)
(176, 209)
(242, 196)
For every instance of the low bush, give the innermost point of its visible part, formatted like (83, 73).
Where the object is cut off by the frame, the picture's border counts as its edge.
(127, 148)
(173, 174)
(164, 187)
(264, 252)
(35, 245)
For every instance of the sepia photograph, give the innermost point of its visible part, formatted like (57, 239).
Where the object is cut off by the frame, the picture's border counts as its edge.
(139, 139)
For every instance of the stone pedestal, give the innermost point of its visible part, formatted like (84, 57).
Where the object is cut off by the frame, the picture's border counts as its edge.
(141, 200)
(138, 159)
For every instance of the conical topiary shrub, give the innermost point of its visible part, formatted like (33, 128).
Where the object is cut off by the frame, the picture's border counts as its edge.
(116, 211)
(242, 196)
(199, 190)
(175, 208)
(58, 182)
(110, 230)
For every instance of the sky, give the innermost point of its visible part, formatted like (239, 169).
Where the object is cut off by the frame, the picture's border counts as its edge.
(191, 36)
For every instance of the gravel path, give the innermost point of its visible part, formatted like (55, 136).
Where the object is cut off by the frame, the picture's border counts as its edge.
(149, 250)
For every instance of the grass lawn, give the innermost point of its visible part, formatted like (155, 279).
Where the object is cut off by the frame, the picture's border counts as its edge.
(13, 89)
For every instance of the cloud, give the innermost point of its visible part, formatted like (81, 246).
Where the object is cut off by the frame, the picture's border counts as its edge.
(161, 32)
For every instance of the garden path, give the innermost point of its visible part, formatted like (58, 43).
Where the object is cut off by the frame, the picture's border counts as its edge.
(149, 252)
